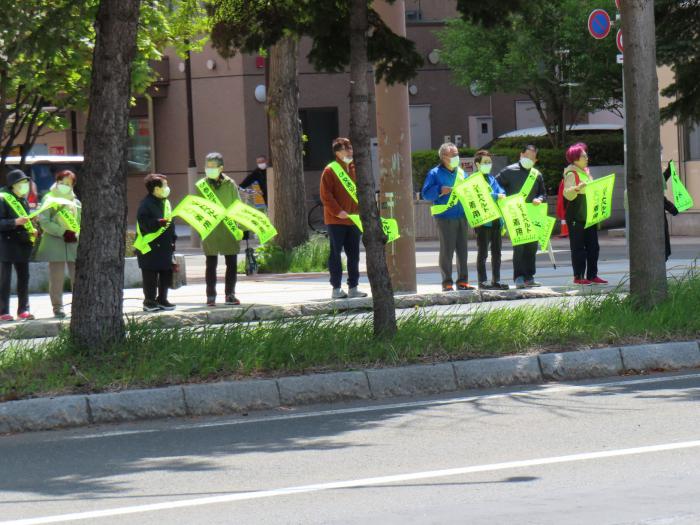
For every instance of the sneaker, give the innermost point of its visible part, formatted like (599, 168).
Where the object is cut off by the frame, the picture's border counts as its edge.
(166, 305)
(520, 283)
(354, 292)
(26, 316)
(151, 306)
(338, 293)
(464, 285)
(500, 286)
(582, 281)
(58, 313)
(532, 284)
(211, 301)
(6, 318)
(447, 287)
(484, 286)
(598, 280)
(231, 300)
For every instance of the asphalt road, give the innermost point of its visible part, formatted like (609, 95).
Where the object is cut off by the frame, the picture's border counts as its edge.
(618, 452)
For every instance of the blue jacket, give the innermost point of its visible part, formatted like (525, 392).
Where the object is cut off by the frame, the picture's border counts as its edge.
(496, 190)
(438, 177)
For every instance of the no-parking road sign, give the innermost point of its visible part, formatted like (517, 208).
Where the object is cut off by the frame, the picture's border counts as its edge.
(619, 41)
(599, 24)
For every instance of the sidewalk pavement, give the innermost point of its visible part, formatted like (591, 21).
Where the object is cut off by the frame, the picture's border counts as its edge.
(288, 289)
(240, 397)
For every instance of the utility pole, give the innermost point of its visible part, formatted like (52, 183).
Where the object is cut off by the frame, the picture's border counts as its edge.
(192, 161)
(396, 181)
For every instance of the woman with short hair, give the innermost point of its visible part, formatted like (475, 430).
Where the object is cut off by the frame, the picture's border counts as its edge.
(155, 243)
(60, 226)
(583, 241)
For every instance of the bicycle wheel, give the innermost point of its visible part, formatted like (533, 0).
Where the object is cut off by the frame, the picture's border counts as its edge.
(315, 219)
(251, 263)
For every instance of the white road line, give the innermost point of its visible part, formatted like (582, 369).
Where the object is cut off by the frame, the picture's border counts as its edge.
(542, 389)
(305, 489)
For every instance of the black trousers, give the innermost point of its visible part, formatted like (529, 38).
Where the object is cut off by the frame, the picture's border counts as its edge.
(156, 281)
(667, 238)
(524, 261)
(488, 236)
(229, 279)
(584, 250)
(346, 238)
(22, 271)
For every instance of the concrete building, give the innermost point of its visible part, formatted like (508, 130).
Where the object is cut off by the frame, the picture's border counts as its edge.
(230, 116)
(230, 119)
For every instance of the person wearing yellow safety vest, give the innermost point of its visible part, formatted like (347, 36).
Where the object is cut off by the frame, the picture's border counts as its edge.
(582, 241)
(489, 234)
(155, 243)
(17, 235)
(449, 216)
(225, 239)
(60, 228)
(338, 192)
(523, 178)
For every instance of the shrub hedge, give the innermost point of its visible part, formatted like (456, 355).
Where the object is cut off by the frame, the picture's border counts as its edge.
(604, 149)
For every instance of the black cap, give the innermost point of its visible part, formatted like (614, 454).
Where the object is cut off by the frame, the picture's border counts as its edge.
(14, 176)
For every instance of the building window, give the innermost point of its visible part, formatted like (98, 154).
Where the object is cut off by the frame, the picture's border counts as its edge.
(692, 138)
(320, 125)
(139, 149)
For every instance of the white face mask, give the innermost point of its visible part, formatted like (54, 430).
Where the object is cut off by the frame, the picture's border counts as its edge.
(163, 192)
(454, 162)
(485, 168)
(262, 166)
(212, 173)
(347, 160)
(527, 163)
(22, 188)
(64, 189)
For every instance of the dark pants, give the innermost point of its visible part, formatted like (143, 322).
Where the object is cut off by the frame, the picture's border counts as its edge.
(229, 280)
(345, 238)
(524, 261)
(22, 270)
(453, 238)
(488, 236)
(156, 281)
(667, 238)
(584, 250)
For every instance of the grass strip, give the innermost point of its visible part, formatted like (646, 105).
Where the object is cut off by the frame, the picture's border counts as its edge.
(154, 356)
(312, 256)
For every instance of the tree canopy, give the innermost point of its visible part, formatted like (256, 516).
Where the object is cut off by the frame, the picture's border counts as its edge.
(543, 52)
(240, 25)
(46, 49)
(678, 46)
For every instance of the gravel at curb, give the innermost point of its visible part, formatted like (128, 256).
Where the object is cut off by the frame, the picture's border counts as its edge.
(243, 396)
(42, 328)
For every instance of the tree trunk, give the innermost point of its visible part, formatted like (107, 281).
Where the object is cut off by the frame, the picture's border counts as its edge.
(373, 238)
(97, 319)
(289, 191)
(648, 284)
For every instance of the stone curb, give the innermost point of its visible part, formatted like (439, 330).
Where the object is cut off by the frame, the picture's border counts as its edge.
(234, 397)
(51, 327)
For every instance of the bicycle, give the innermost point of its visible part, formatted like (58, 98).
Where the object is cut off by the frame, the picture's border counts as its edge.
(315, 217)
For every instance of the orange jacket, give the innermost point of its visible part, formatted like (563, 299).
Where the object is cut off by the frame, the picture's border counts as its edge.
(335, 197)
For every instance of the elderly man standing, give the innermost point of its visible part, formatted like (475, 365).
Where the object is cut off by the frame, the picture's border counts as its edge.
(522, 177)
(449, 216)
(339, 196)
